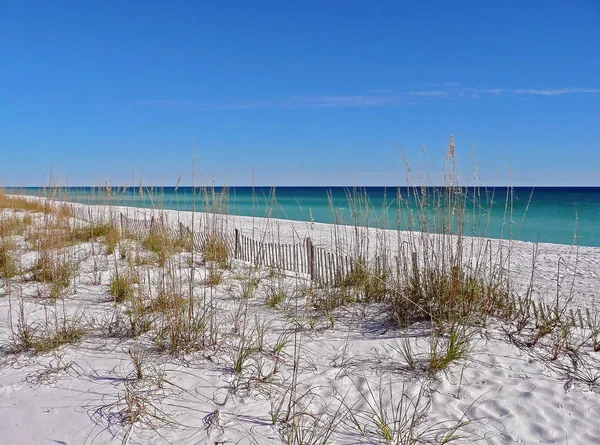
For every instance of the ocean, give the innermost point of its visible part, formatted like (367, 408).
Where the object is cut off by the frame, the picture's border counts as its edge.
(564, 215)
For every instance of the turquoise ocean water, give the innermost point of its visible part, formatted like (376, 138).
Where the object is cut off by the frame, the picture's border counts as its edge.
(564, 215)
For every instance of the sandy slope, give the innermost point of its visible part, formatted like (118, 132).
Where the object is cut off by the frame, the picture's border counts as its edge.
(509, 395)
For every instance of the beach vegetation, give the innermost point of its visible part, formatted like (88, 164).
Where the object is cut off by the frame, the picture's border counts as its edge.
(14, 225)
(214, 277)
(215, 249)
(275, 295)
(421, 294)
(55, 270)
(26, 204)
(122, 287)
(47, 335)
(9, 266)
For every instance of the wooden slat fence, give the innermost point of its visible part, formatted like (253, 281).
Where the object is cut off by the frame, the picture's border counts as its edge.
(201, 239)
(323, 267)
(136, 227)
(290, 257)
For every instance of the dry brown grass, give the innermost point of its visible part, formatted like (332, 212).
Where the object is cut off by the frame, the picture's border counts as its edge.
(54, 269)
(14, 225)
(121, 287)
(61, 233)
(163, 245)
(8, 263)
(25, 204)
(215, 249)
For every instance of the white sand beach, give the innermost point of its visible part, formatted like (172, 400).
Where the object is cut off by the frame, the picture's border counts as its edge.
(279, 372)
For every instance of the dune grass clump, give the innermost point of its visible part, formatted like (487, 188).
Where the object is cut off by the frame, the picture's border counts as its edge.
(53, 269)
(169, 302)
(163, 245)
(215, 249)
(440, 275)
(57, 233)
(14, 225)
(28, 340)
(108, 232)
(444, 351)
(371, 284)
(92, 232)
(111, 239)
(442, 294)
(214, 277)
(25, 204)
(122, 288)
(275, 295)
(64, 212)
(51, 334)
(64, 335)
(8, 263)
(185, 326)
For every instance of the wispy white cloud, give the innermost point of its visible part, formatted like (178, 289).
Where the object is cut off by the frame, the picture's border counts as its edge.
(345, 101)
(381, 91)
(376, 98)
(439, 85)
(431, 93)
(556, 92)
(292, 102)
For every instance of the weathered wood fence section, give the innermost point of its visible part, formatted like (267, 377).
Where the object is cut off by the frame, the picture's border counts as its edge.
(331, 268)
(202, 239)
(323, 267)
(136, 227)
(290, 257)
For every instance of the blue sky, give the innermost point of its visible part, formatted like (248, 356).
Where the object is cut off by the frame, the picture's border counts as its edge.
(295, 93)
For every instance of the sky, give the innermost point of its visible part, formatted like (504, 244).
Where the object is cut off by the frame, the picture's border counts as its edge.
(299, 93)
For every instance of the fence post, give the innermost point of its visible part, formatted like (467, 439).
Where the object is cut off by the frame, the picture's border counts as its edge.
(415, 271)
(310, 255)
(237, 244)
(122, 223)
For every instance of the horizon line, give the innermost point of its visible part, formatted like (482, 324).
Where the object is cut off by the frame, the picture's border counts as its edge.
(133, 187)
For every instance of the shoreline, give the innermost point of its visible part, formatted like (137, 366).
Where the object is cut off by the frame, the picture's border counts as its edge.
(557, 217)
